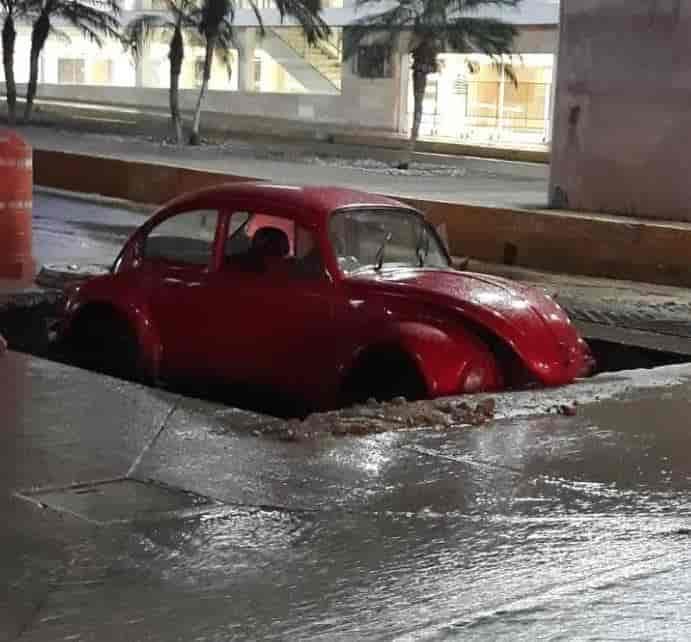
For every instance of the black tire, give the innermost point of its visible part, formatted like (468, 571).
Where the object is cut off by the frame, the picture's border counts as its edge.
(384, 374)
(103, 342)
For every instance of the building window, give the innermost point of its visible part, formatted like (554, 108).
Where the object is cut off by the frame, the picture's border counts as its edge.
(155, 5)
(102, 72)
(460, 86)
(257, 78)
(374, 61)
(70, 71)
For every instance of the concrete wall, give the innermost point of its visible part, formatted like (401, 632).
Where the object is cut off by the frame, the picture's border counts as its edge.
(623, 108)
(357, 110)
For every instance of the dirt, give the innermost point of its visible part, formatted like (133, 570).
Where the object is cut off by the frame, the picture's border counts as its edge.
(375, 417)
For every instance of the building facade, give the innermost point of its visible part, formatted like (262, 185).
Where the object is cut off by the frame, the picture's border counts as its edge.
(279, 76)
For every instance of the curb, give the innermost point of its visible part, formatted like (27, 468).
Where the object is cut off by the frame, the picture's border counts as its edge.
(109, 201)
(58, 276)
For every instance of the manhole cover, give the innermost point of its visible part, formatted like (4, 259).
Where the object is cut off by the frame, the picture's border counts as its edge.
(120, 500)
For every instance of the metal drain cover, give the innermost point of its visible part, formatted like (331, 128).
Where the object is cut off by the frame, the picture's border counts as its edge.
(119, 500)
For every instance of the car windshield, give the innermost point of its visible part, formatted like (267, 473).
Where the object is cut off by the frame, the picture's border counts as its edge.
(369, 239)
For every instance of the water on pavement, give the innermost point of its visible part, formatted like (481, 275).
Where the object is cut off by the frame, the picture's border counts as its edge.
(530, 527)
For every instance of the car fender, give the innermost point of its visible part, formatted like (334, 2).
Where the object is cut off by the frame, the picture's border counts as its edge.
(134, 312)
(445, 356)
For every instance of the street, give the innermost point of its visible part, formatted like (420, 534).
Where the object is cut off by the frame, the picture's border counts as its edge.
(87, 232)
(456, 179)
(535, 526)
(192, 497)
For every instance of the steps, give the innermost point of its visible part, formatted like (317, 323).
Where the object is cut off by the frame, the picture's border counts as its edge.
(325, 57)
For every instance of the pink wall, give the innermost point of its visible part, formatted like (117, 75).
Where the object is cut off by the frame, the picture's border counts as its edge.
(622, 138)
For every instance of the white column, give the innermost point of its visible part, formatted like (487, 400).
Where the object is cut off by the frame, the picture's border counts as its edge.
(502, 93)
(552, 102)
(402, 61)
(138, 5)
(246, 41)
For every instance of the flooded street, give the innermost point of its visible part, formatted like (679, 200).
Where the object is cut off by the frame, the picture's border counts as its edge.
(532, 526)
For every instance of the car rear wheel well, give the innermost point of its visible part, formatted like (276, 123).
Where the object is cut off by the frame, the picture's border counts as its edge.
(96, 312)
(383, 372)
(101, 338)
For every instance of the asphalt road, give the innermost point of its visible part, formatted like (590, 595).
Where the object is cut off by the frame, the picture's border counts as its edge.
(79, 231)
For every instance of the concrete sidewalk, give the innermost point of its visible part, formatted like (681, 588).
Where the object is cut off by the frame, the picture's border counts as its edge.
(133, 514)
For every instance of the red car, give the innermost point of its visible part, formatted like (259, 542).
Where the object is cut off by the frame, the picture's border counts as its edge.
(324, 295)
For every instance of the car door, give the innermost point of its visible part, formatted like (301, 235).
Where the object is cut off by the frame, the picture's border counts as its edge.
(277, 326)
(177, 259)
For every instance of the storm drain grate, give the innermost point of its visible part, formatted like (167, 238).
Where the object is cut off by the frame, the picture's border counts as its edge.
(120, 500)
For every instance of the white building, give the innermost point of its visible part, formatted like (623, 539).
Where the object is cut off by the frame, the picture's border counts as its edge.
(279, 77)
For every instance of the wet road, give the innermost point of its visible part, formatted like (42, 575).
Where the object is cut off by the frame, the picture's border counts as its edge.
(535, 526)
(79, 230)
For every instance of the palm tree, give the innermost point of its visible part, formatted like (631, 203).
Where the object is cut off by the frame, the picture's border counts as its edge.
(94, 19)
(428, 28)
(12, 10)
(216, 29)
(140, 31)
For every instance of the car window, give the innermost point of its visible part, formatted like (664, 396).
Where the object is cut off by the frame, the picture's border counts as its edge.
(246, 230)
(366, 239)
(253, 237)
(239, 241)
(183, 238)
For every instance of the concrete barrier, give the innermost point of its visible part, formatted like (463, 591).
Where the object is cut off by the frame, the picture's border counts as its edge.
(557, 241)
(116, 178)
(568, 242)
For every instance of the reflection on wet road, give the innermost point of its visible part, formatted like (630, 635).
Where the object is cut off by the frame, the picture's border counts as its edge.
(530, 527)
(83, 231)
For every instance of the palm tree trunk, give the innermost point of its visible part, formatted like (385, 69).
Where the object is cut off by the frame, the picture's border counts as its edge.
(176, 55)
(175, 118)
(210, 45)
(39, 34)
(419, 85)
(9, 36)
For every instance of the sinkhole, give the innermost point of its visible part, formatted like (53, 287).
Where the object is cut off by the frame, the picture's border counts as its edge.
(27, 329)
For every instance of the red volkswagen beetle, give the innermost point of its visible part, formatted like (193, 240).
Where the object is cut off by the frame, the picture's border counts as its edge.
(324, 295)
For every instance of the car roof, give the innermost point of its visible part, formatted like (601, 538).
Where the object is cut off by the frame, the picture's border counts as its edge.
(313, 203)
